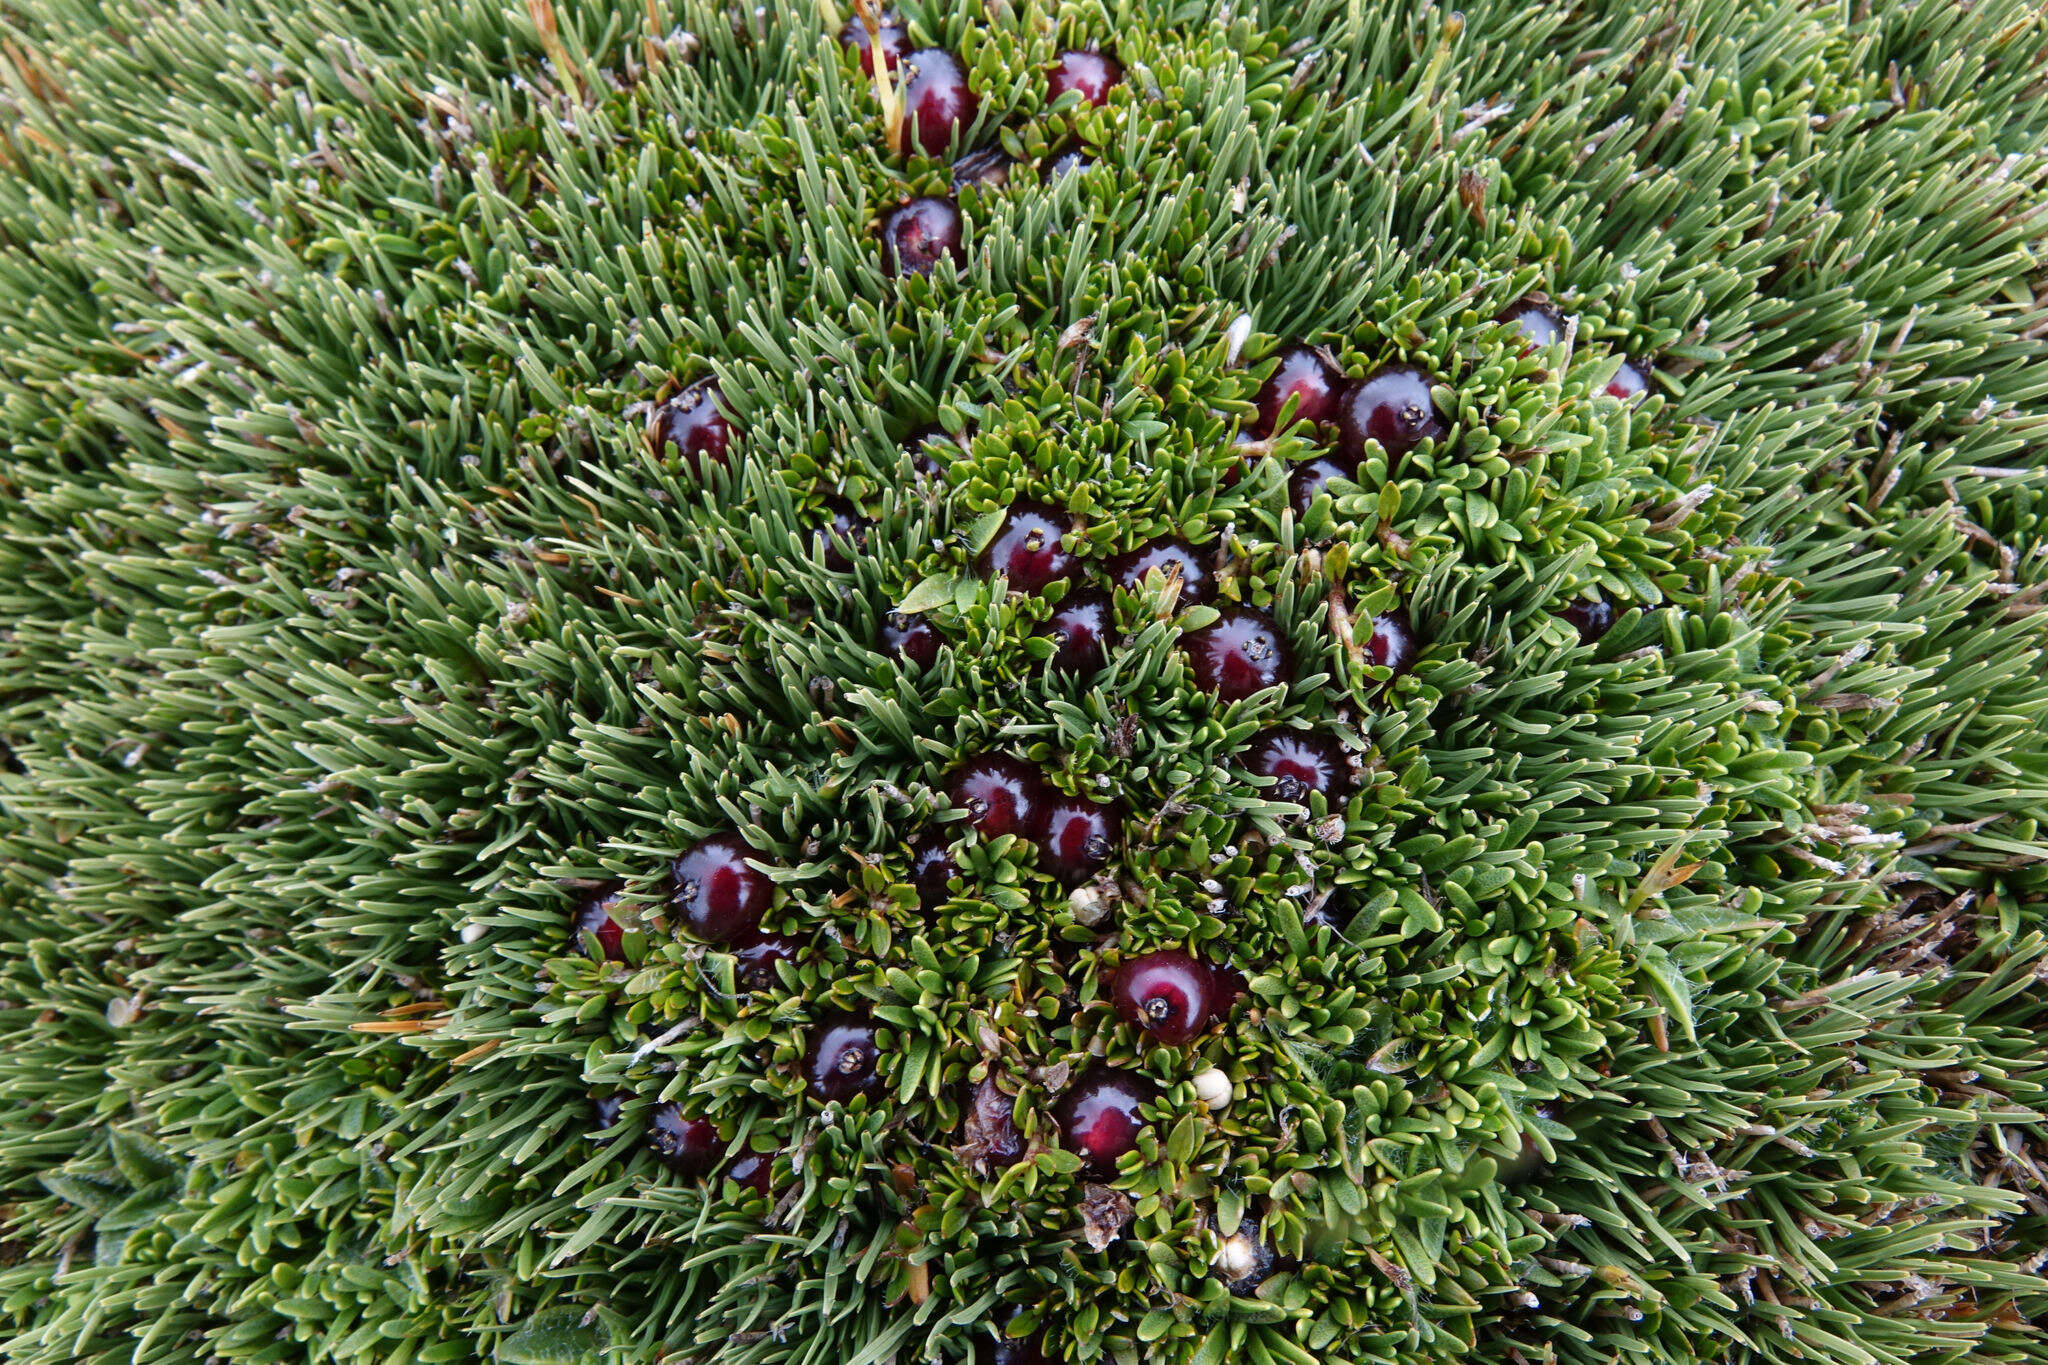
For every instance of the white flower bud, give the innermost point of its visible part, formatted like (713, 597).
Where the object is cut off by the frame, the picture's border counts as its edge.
(1212, 1088)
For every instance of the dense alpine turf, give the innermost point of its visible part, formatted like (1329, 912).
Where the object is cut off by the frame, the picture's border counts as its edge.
(1672, 997)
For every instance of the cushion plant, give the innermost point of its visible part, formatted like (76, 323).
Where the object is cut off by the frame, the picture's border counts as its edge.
(1186, 682)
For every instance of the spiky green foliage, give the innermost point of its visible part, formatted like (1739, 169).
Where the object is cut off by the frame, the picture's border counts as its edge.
(352, 631)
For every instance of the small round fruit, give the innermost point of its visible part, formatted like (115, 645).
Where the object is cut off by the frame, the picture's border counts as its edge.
(605, 1111)
(1167, 993)
(1063, 162)
(1001, 795)
(1539, 323)
(1081, 628)
(753, 1171)
(936, 100)
(842, 1059)
(1242, 653)
(1309, 478)
(1098, 1116)
(1090, 73)
(932, 872)
(717, 894)
(594, 915)
(988, 168)
(1030, 549)
(1591, 617)
(687, 1146)
(845, 534)
(919, 233)
(911, 639)
(1392, 644)
(755, 958)
(1168, 558)
(895, 42)
(1077, 836)
(1392, 406)
(1628, 381)
(695, 424)
(992, 1127)
(1302, 376)
(1300, 762)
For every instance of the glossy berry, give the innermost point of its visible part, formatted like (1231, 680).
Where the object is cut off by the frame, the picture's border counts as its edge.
(845, 534)
(1628, 381)
(1065, 161)
(1302, 376)
(931, 870)
(755, 958)
(605, 1111)
(1168, 558)
(842, 1059)
(920, 233)
(1030, 548)
(1242, 653)
(895, 42)
(753, 1171)
(1392, 644)
(1098, 1116)
(1591, 617)
(1082, 628)
(1001, 795)
(1300, 762)
(936, 100)
(992, 1124)
(695, 425)
(912, 639)
(1076, 836)
(717, 894)
(1393, 406)
(1539, 323)
(685, 1145)
(1091, 73)
(1169, 994)
(1311, 477)
(988, 168)
(594, 915)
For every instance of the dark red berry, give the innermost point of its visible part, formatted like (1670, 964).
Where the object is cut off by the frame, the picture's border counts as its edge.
(1077, 836)
(1302, 376)
(1082, 626)
(1300, 762)
(594, 916)
(1030, 548)
(918, 234)
(936, 100)
(992, 1132)
(845, 533)
(717, 894)
(910, 638)
(988, 168)
(932, 870)
(842, 1059)
(755, 958)
(1628, 381)
(1392, 644)
(1091, 73)
(1065, 161)
(753, 1171)
(1169, 994)
(1169, 558)
(1539, 323)
(1001, 795)
(605, 1111)
(1309, 478)
(894, 41)
(1242, 653)
(695, 424)
(1393, 406)
(1098, 1116)
(1591, 617)
(685, 1145)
